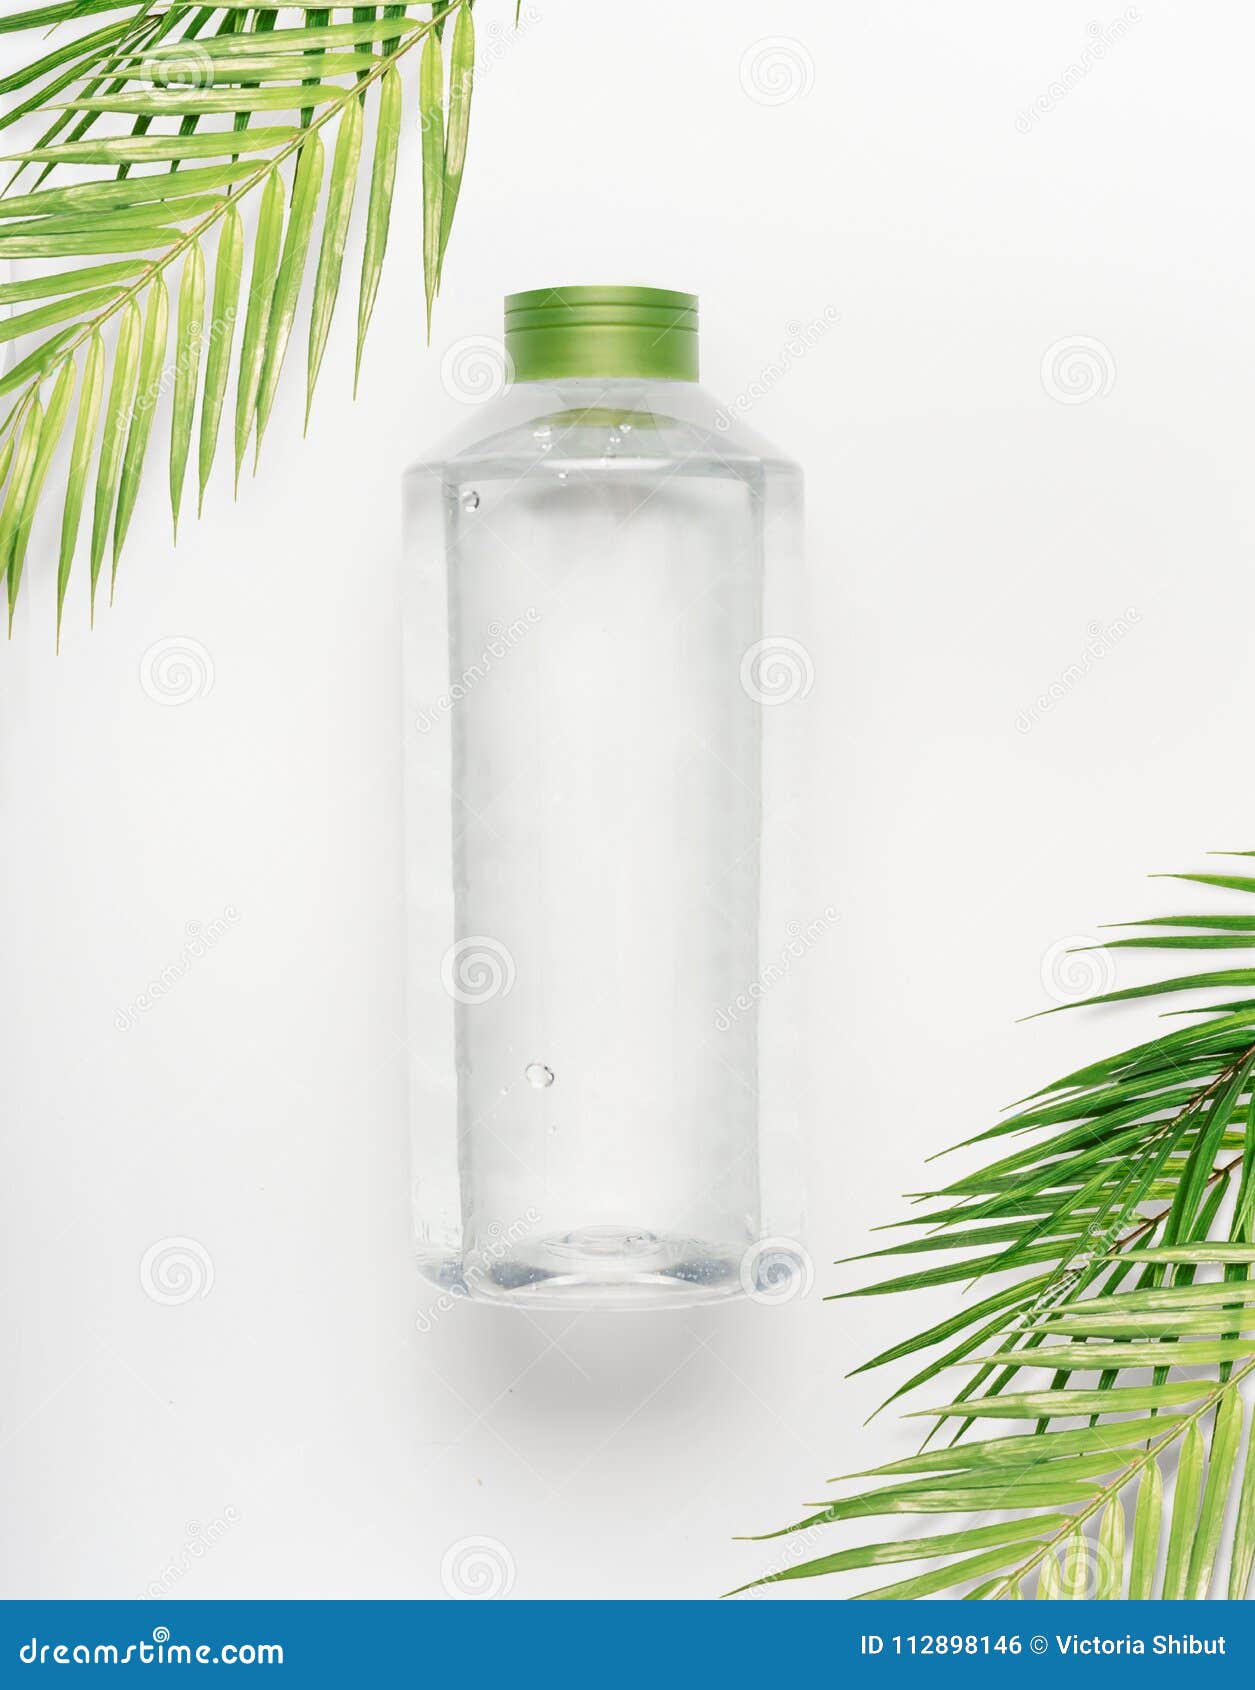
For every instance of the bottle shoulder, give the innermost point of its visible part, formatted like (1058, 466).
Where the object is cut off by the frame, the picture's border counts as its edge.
(546, 424)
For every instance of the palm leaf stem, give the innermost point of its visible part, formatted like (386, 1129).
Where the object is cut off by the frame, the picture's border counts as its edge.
(1001, 1586)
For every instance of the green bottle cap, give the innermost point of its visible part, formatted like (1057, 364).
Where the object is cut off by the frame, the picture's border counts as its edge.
(558, 333)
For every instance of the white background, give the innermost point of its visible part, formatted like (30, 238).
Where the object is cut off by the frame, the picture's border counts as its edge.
(973, 535)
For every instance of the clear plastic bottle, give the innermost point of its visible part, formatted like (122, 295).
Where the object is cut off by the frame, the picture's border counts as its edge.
(597, 557)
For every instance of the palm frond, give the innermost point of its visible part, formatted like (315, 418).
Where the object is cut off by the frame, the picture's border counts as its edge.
(1131, 1203)
(184, 117)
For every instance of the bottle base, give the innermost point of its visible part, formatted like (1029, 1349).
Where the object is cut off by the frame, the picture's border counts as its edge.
(602, 1267)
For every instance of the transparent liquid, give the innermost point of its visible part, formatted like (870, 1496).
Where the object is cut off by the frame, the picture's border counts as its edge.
(604, 581)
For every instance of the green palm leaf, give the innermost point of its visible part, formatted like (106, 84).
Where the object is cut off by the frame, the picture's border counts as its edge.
(461, 86)
(186, 372)
(49, 437)
(1123, 1222)
(379, 212)
(305, 192)
(21, 481)
(335, 233)
(185, 113)
(80, 464)
(143, 407)
(431, 122)
(117, 418)
(225, 309)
